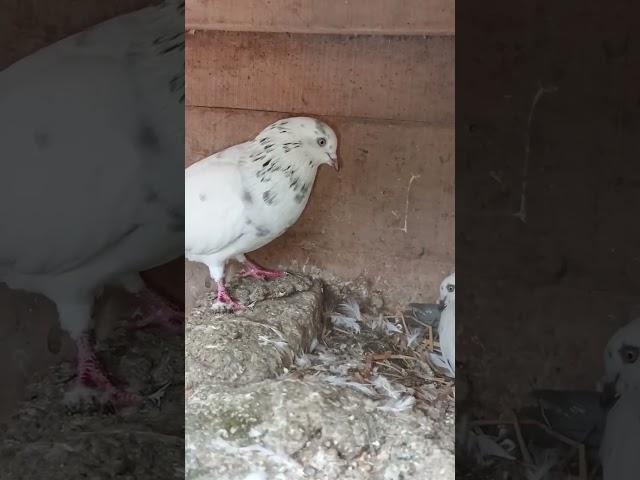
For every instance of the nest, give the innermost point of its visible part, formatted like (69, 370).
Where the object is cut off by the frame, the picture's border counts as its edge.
(382, 355)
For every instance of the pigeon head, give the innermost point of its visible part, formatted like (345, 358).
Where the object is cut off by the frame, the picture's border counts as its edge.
(622, 368)
(302, 140)
(448, 291)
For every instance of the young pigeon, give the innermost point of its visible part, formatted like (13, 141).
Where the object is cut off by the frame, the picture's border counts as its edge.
(447, 327)
(619, 449)
(93, 141)
(242, 198)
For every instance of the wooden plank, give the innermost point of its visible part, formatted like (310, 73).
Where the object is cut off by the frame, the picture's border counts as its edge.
(409, 17)
(355, 221)
(29, 25)
(399, 78)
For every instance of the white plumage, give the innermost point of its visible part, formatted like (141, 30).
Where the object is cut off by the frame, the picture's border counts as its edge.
(242, 198)
(447, 327)
(92, 139)
(619, 449)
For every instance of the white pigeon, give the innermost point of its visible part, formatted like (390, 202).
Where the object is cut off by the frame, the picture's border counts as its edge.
(93, 141)
(619, 449)
(447, 327)
(242, 198)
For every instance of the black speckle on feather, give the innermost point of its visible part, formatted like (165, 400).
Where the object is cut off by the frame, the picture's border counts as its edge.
(41, 139)
(265, 164)
(147, 137)
(151, 196)
(269, 197)
(163, 39)
(175, 46)
(203, 197)
(287, 147)
(299, 198)
(262, 231)
(246, 197)
(320, 126)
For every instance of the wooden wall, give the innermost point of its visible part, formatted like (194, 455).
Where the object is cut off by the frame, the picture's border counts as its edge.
(382, 74)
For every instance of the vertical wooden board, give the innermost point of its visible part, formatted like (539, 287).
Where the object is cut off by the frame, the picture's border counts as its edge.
(399, 78)
(412, 17)
(355, 221)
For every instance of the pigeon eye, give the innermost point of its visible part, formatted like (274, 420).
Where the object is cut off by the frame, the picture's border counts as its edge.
(451, 288)
(629, 354)
(322, 141)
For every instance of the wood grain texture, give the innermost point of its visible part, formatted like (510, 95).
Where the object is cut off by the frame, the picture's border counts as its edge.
(27, 26)
(409, 17)
(355, 221)
(397, 78)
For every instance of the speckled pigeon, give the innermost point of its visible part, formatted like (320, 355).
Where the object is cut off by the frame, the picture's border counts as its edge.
(242, 198)
(93, 142)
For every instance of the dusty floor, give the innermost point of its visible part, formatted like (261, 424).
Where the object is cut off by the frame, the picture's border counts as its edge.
(281, 392)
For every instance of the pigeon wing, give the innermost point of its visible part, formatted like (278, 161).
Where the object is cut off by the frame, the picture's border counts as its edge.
(216, 202)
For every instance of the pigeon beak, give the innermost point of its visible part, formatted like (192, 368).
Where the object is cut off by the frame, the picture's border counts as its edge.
(334, 162)
(441, 305)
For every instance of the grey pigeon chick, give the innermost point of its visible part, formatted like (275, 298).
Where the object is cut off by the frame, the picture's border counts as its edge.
(242, 198)
(619, 450)
(447, 327)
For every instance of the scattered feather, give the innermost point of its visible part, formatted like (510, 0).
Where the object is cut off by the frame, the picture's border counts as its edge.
(344, 382)
(280, 345)
(399, 405)
(303, 361)
(381, 384)
(413, 337)
(347, 323)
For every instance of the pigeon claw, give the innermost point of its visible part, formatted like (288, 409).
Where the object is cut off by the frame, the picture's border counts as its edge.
(254, 270)
(261, 274)
(156, 311)
(224, 302)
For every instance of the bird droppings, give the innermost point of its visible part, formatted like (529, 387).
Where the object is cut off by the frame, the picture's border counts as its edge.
(275, 389)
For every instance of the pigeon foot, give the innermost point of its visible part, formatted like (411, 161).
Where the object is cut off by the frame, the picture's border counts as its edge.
(155, 311)
(224, 302)
(92, 376)
(254, 270)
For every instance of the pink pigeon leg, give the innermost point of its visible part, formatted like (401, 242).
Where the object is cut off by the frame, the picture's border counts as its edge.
(225, 300)
(254, 270)
(156, 311)
(92, 375)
